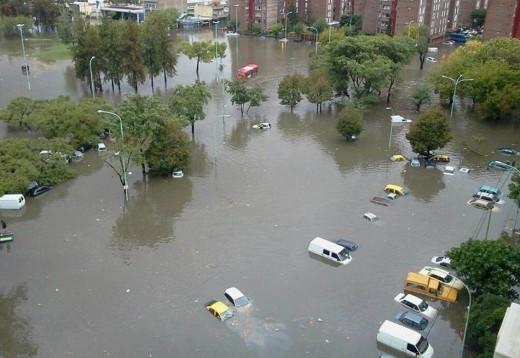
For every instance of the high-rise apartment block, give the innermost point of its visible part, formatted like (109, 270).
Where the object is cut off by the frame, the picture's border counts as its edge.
(391, 17)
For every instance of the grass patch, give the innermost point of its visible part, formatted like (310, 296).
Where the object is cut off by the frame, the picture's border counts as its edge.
(50, 51)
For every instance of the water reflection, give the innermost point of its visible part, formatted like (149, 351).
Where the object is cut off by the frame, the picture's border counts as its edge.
(149, 217)
(15, 330)
(424, 184)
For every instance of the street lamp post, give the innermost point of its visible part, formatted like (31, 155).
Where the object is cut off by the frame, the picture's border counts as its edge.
(467, 319)
(332, 23)
(236, 16)
(125, 182)
(92, 88)
(455, 84)
(317, 36)
(390, 136)
(286, 18)
(20, 28)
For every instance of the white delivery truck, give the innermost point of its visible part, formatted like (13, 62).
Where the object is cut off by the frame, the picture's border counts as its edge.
(405, 340)
(12, 201)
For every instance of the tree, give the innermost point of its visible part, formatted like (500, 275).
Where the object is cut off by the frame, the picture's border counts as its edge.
(8, 25)
(151, 31)
(201, 50)
(422, 94)
(17, 111)
(170, 150)
(320, 25)
(290, 90)
(45, 13)
(318, 88)
(351, 23)
(87, 44)
(421, 34)
(276, 29)
(256, 97)
(485, 319)
(65, 26)
(112, 33)
(478, 16)
(350, 123)
(241, 95)
(488, 266)
(133, 64)
(514, 190)
(429, 132)
(143, 118)
(187, 103)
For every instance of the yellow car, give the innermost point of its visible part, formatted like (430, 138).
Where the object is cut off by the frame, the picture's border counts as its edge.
(441, 158)
(219, 310)
(397, 158)
(395, 189)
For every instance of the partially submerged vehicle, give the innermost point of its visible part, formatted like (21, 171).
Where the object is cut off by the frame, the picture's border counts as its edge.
(380, 201)
(329, 250)
(370, 216)
(430, 287)
(219, 310)
(397, 158)
(236, 297)
(508, 151)
(395, 189)
(442, 275)
(481, 204)
(497, 164)
(399, 119)
(247, 71)
(404, 340)
(263, 125)
(443, 158)
(6, 236)
(491, 190)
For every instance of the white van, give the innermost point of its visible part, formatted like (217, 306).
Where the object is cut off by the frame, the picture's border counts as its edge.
(12, 201)
(329, 250)
(404, 340)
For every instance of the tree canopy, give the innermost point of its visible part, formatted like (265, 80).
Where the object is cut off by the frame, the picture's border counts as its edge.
(350, 122)
(488, 266)
(290, 90)
(318, 88)
(494, 69)
(429, 132)
(187, 103)
(200, 50)
(242, 95)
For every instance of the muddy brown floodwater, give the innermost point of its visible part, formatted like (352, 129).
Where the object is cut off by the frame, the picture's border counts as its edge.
(89, 277)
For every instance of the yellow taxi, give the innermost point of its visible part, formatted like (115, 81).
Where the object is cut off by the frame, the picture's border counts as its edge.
(395, 189)
(443, 158)
(219, 310)
(397, 158)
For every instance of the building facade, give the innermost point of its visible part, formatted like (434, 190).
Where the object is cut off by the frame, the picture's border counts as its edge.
(502, 19)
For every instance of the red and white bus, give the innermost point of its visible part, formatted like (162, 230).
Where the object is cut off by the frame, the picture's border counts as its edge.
(247, 71)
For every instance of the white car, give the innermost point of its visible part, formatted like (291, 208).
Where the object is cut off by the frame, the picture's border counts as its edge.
(101, 147)
(431, 59)
(263, 125)
(370, 216)
(443, 276)
(177, 174)
(237, 298)
(416, 304)
(443, 261)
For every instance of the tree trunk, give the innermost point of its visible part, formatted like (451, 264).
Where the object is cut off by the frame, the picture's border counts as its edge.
(317, 107)
(242, 109)
(151, 79)
(119, 85)
(164, 74)
(292, 107)
(389, 92)
(193, 129)
(112, 83)
(197, 70)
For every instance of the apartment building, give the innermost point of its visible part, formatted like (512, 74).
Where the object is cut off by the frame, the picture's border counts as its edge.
(264, 13)
(502, 19)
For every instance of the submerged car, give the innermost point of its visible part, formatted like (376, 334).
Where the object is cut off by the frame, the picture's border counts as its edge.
(444, 158)
(508, 151)
(395, 189)
(237, 298)
(177, 174)
(263, 125)
(416, 304)
(219, 310)
(497, 164)
(443, 261)
(415, 163)
(443, 276)
(349, 245)
(370, 216)
(481, 204)
(412, 320)
(431, 59)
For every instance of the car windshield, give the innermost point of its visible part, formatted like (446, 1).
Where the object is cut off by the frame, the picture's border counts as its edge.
(343, 255)
(423, 306)
(422, 345)
(241, 301)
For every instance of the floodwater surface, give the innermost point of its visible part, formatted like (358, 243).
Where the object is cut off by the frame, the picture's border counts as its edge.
(88, 276)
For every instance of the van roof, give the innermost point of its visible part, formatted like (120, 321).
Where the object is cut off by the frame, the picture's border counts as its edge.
(489, 188)
(11, 196)
(422, 279)
(399, 331)
(326, 244)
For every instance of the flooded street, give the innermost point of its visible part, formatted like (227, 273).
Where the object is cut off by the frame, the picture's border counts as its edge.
(87, 276)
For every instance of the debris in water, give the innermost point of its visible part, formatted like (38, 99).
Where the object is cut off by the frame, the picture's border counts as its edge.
(98, 219)
(319, 320)
(127, 290)
(57, 290)
(326, 341)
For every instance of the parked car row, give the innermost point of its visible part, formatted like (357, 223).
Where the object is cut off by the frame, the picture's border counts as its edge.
(404, 335)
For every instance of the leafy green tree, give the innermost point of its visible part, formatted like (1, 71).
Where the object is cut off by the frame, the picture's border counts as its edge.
(290, 90)
(352, 24)
(299, 30)
(17, 111)
(488, 266)
(8, 25)
(201, 50)
(143, 118)
(350, 122)
(422, 94)
(88, 43)
(399, 50)
(239, 93)
(65, 26)
(276, 29)
(170, 150)
(187, 103)
(133, 64)
(478, 16)
(429, 132)
(484, 323)
(170, 16)
(45, 13)
(256, 97)
(421, 34)
(151, 30)
(320, 25)
(112, 33)
(318, 88)
(514, 189)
